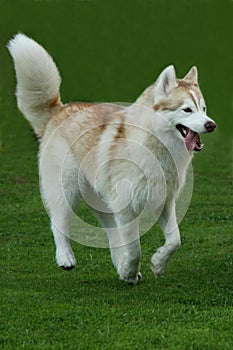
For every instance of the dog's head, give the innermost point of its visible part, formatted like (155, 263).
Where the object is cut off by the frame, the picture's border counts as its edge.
(180, 101)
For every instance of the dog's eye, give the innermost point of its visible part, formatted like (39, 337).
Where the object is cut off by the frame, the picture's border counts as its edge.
(204, 109)
(187, 110)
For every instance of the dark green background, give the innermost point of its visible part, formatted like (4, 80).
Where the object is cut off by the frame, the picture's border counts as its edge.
(111, 50)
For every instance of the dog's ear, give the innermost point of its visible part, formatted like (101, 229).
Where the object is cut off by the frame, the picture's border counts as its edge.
(192, 76)
(165, 83)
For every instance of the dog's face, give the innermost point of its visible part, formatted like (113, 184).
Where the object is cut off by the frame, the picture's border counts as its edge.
(182, 104)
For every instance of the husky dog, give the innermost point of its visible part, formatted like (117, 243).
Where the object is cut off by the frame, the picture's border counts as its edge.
(146, 146)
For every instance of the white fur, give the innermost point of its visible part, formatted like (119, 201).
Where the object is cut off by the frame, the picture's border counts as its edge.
(195, 97)
(38, 80)
(195, 120)
(146, 167)
(165, 84)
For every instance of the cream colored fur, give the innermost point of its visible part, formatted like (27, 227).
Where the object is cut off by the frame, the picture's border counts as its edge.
(121, 160)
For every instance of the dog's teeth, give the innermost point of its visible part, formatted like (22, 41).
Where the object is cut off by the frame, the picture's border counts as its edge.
(185, 131)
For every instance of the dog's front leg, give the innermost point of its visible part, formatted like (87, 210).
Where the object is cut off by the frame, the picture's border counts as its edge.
(169, 226)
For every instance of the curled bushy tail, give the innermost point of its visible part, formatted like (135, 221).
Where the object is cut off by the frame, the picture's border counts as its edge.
(38, 81)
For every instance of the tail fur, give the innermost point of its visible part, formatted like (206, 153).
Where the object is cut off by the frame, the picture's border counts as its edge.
(38, 81)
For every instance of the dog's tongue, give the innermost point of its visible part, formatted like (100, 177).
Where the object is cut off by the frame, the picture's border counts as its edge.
(192, 141)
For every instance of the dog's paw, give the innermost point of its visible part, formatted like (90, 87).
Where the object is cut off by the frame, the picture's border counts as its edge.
(129, 276)
(158, 266)
(66, 259)
(133, 280)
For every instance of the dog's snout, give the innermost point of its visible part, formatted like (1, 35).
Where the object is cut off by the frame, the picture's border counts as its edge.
(210, 126)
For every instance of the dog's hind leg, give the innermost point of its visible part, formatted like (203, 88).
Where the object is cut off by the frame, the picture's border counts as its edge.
(64, 255)
(59, 193)
(60, 213)
(171, 233)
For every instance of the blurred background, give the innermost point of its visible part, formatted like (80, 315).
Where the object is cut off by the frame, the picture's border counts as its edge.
(110, 50)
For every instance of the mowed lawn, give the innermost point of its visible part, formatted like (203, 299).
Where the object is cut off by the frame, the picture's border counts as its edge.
(191, 305)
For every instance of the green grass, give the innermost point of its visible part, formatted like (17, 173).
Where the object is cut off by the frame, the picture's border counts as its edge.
(108, 50)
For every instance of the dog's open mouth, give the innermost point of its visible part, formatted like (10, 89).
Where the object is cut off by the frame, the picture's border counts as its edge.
(191, 139)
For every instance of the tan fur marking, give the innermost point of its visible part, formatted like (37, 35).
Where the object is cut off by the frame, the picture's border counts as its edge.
(183, 83)
(55, 102)
(80, 105)
(197, 91)
(176, 97)
(193, 99)
(168, 104)
(187, 86)
(120, 132)
(88, 119)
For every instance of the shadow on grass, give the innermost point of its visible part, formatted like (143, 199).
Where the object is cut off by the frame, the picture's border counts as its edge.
(207, 283)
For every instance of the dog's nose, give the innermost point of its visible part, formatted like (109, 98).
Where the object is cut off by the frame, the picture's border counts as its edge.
(210, 126)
